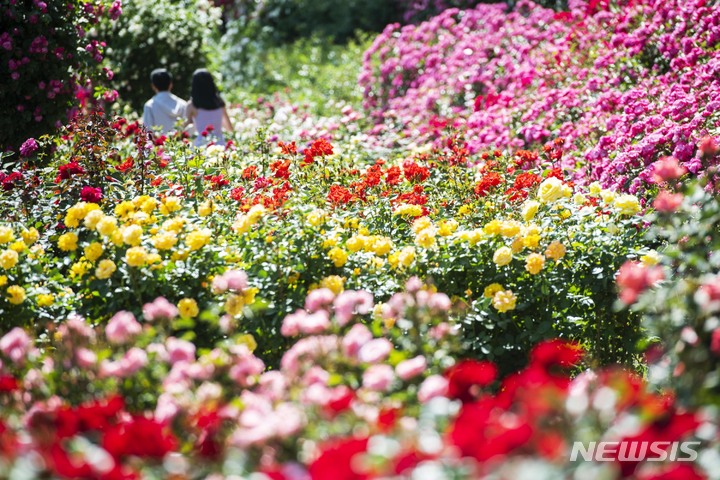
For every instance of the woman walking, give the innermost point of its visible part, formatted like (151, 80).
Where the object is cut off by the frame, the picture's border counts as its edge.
(206, 110)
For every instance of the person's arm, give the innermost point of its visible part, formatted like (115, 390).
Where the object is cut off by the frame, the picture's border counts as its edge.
(190, 114)
(227, 124)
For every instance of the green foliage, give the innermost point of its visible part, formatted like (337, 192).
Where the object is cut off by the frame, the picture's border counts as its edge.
(159, 34)
(309, 71)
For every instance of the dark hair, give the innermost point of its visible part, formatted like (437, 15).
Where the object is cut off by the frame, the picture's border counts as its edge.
(204, 94)
(161, 79)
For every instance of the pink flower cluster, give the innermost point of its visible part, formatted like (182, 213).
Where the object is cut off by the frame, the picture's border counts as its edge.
(622, 85)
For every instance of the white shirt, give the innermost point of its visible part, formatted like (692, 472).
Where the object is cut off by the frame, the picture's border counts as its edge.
(163, 111)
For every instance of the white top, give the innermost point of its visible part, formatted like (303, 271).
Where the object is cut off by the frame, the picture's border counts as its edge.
(203, 120)
(163, 111)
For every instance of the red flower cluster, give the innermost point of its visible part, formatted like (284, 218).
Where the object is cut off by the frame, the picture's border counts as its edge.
(487, 182)
(8, 180)
(91, 194)
(318, 148)
(414, 172)
(68, 171)
(339, 195)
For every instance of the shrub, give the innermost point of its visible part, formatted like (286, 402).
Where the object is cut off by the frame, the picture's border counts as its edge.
(50, 57)
(159, 34)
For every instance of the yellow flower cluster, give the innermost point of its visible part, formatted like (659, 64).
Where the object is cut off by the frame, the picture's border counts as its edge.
(317, 217)
(377, 244)
(338, 256)
(425, 232)
(407, 210)
(8, 259)
(244, 222)
(16, 294)
(188, 308)
(402, 258)
(553, 189)
(504, 301)
(334, 283)
(236, 302)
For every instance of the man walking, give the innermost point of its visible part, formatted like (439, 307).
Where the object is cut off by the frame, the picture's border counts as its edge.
(164, 110)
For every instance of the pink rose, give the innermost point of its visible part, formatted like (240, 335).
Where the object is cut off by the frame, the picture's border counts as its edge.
(358, 336)
(668, 168)
(318, 299)
(122, 327)
(159, 308)
(350, 302)
(378, 378)
(433, 386)
(375, 350)
(15, 345)
(667, 202)
(180, 350)
(408, 369)
(85, 358)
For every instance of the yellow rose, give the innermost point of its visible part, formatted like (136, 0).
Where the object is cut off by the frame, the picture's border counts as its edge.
(205, 208)
(93, 251)
(550, 190)
(531, 241)
(530, 209)
(249, 295)
(406, 256)
(555, 250)
(334, 282)
(420, 224)
(493, 227)
(173, 224)
(153, 258)
(79, 269)
(465, 210)
(3, 280)
(197, 239)
(579, 199)
(106, 226)
(355, 243)
(509, 229)
(8, 259)
(165, 240)
(68, 242)
(408, 210)
(18, 246)
(628, 204)
(381, 246)
(16, 294)
(105, 269)
(608, 196)
(136, 256)
(504, 301)
(234, 304)
(534, 263)
(594, 188)
(132, 235)
(74, 214)
(44, 300)
(425, 238)
(502, 256)
(124, 209)
(651, 258)
(316, 217)
(492, 289)
(338, 256)
(6, 235)
(255, 212)
(29, 236)
(517, 245)
(188, 308)
(331, 241)
(447, 227)
(170, 205)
